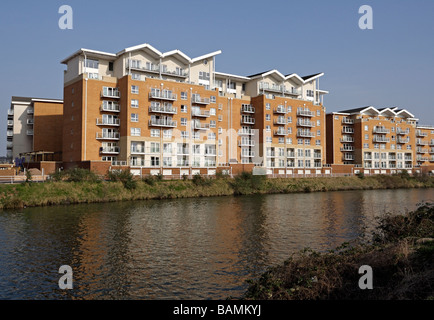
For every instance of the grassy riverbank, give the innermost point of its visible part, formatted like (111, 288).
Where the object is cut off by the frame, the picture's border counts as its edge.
(401, 255)
(80, 187)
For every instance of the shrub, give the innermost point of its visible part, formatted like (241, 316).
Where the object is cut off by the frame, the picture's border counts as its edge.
(28, 176)
(75, 175)
(150, 180)
(361, 175)
(124, 176)
(201, 181)
(404, 174)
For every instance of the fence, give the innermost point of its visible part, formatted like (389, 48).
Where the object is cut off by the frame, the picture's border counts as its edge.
(21, 179)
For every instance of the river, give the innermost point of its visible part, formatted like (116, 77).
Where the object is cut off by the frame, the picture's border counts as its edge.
(198, 248)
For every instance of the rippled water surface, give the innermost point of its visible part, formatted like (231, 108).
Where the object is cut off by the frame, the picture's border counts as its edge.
(178, 249)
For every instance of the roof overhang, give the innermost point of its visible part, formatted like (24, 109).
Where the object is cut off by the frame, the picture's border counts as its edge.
(231, 76)
(91, 53)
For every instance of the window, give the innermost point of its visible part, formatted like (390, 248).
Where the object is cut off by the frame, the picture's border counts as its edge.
(183, 108)
(289, 119)
(184, 134)
(211, 136)
(318, 113)
(366, 145)
(288, 140)
(307, 153)
(135, 132)
(134, 89)
(366, 136)
(318, 142)
(212, 111)
(134, 103)
(213, 99)
(110, 67)
(267, 117)
(268, 128)
(318, 123)
(220, 118)
(155, 132)
(135, 76)
(184, 96)
(269, 140)
(307, 142)
(167, 161)
(299, 141)
(281, 140)
(155, 161)
(134, 117)
(167, 133)
(267, 106)
(212, 124)
(220, 130)
(289, 109)
(309, 93)
(90, 63)
(366, 128)
(167, 148)
(318, 133)
(183, 121)
(155, 147)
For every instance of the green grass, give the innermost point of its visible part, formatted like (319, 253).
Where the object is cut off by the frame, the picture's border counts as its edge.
(80, 187)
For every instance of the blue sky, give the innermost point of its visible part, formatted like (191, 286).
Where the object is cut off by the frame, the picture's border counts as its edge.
(390, 65)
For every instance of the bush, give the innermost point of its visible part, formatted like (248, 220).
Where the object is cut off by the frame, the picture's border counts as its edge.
(75, 175)
(361, 175)
(150, 180)
(404, 174)
(201, 181)
(28, 176)
(124, 176)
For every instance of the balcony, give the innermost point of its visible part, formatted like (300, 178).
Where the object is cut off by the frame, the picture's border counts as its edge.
(420, 133)
(30, 111)
(163, 109)
(347, 139)
(10, 123)
(210, 152)
(381, 130)
(292, 91)
(106, 150)
(248, 154)
(177, 73)
(407, 158)
(10, 112)
(381, 139)
(400, 131)
(110, 93)
(290, 155)
(421, 142)
(111, 107)
(347, 121)
(348, 157)
(305, 123)
(107, 135)
(422, 159)
(280, 121)
(198, 113)
(268, 87)
(162, 123)
(200, 126)
(271, 154)
(137, 150)
(246, 143)
(305, 133)
(305, 113)
(431, 151)
(247, 120)
(280, 110)
(157, 94)
(247, 109)
(108, 122)
(29, 132)
(10, 133)
(348, 148)
(420, 150)
(30, 122)
(431, 159)
(154, 68)
(347, 130)
(280, 132)
(244, 132)
(198, 100)
(317, 155)
(402, 140)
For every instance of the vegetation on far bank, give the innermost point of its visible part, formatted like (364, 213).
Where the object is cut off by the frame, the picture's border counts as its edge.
(83, 186)
(400, 253)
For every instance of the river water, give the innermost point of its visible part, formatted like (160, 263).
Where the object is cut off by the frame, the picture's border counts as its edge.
(203, 248)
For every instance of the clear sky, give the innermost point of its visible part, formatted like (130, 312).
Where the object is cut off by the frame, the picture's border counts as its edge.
(390, 65)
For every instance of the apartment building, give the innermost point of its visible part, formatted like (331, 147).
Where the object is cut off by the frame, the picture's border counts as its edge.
(34, 125)
(377, 140)
(424, 153)
(171, 114)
